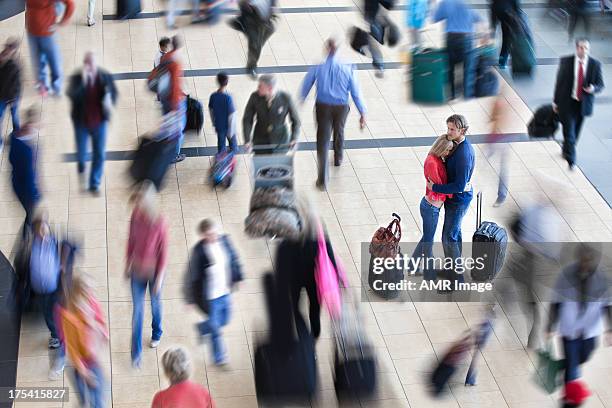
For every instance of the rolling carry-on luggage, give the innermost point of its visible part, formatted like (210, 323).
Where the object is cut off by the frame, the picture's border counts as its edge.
(222, 171)
(448, 366)
(486, 83)
(522, 51)
(385, 244)
(429, 77)
(128, 9)
(151, 160)
(489, 244)
(544, 123)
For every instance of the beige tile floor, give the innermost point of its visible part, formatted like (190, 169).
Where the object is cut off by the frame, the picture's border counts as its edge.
(362, 193)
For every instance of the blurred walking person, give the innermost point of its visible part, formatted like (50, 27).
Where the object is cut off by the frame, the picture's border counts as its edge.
(173, 99)
(334, 81)
(504, 12)
(578, 10)
(10, 83)
(432, 202)
(147, 253)
(499, 146)
(214, 270)
(416, 16)
(581, 298)
(256, 22)
(182, 392)
(459, 28)
(579, 78)
(84, 331)
(22, 157)
(41, 25)
(93, 94)
(269, 108)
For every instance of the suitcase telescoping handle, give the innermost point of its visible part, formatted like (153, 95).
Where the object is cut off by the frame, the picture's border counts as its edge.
(478, 209)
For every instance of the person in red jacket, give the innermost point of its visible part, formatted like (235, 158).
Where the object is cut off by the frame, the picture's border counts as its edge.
(41, 24)
(431, 203)
(171, 96)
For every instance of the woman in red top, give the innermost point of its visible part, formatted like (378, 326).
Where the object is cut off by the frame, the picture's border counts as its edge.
(432, 202)
(181, 393)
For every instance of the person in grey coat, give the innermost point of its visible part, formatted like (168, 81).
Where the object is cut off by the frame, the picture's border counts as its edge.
(271, 107)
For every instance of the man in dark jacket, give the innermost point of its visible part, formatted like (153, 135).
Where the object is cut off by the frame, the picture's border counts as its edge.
(503, 12)
(579, 78)
(271, 108)
(92, 93)
(10, 83)
(21, 157)
(214, 269)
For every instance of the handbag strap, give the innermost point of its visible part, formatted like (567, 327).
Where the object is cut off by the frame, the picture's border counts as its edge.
(394, 229)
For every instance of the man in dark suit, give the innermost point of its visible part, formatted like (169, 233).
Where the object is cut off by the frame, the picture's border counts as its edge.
(578, 80)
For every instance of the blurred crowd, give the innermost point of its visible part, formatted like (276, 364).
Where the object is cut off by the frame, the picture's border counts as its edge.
(285, 362)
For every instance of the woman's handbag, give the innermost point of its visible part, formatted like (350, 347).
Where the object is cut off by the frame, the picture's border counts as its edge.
(327, 278)
(385, 242)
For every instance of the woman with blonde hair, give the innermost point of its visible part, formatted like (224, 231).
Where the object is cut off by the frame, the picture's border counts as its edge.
(83, 330)
(435, 171)
(146, 263)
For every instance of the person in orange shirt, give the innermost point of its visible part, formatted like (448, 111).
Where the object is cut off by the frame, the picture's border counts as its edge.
(83, 329)
(41, 25)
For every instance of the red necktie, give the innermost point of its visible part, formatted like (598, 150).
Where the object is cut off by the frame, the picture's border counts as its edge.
(579, 89)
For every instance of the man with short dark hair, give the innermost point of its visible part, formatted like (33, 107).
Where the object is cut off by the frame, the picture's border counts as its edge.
(214, 269)
(223, 114)
(165, 45)
(334, 81)
(271, 107)
(93, 93)
(459, 169)
(579, 78)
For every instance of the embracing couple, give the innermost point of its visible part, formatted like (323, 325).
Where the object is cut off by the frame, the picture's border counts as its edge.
(448, 170)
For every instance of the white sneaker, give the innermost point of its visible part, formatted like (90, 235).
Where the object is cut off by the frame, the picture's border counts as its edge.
(154, 343)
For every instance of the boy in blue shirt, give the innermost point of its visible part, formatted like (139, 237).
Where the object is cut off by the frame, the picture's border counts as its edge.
(223, 114)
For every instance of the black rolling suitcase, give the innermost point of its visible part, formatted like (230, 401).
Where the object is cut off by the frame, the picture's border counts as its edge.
(128, 9)
(489, 244)
(195, 115)
(151, 161)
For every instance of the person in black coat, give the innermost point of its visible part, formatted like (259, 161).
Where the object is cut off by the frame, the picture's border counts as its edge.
(10, 83)
(214, 270)
(579, 78)
(22, 159)
(92, 93)
(295, 269)
(504, 12)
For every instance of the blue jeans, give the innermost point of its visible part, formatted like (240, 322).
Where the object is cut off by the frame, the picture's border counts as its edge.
(221, 140)
(49, 301)
(139, 289)
(460, 51)
(183, 116)
(576, 352)
(45, 52)
(424, 248)
(218, 316)
(98, 143)
(14, 106)
(451, 231)
(93, 396)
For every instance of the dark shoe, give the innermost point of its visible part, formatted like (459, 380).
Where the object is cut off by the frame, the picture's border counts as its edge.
(571, 166)
(252, 73)
(337, 162)
(179, 158)
(94, 190)
(379, 73)
(54, 343)
(320, 186)
(81, 168)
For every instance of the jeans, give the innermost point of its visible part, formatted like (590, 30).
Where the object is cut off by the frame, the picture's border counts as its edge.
(576, 352)
(424, 248)
(451, 231)
(45, 52)
(139, 287)
(221, 141)
(460, 50)
(572, 123)
(93, 396)
(330, 118)
(14, 107)
(98, 142)
(183, 117)
(49, 301)
(218, 316)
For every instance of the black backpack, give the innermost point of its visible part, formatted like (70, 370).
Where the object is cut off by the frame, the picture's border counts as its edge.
(359, 40)
(195, 115)
(544, 123)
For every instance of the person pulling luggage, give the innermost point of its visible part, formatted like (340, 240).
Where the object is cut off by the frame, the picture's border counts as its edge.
(269, 108)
